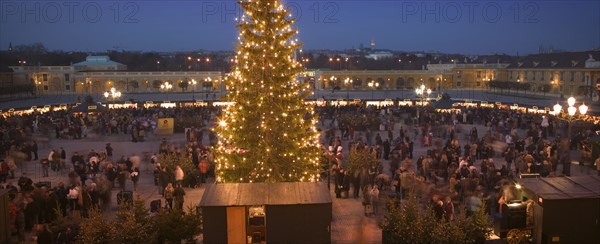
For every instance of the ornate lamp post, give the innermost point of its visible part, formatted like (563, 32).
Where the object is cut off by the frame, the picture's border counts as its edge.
(374, 85)
(571, 111)
(421, 91)
(166, 87)
(194, 91)
(112, 95)
(347, 82)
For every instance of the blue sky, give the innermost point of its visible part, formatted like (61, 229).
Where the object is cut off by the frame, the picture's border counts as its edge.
(470, 27)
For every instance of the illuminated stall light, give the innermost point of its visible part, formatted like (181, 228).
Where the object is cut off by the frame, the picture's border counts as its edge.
(405, 102)
(223, 104)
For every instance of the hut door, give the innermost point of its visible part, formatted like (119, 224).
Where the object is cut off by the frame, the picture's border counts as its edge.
(236, 225)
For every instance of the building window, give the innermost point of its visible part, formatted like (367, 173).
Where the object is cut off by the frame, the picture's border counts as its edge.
(67, 77)
(561, 75)
(458, 84)
(518, 75)
(45, 77)
(510, 75)
(478, 84)
(478, 74)
(458, 74)
(67, 87)
(533, 75)
(551, 75)
(572, 76)
(542, 75)
(45, 87)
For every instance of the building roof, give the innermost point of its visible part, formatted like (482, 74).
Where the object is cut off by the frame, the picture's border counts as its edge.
(97, 61)
(558, 188)
(284, 193)
(554, 60)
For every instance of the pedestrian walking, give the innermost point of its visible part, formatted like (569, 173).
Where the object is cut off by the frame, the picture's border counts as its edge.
(109, 152)
(135, 177)
(45, 165)
(179, 196)
(168, 195)
(34, 150)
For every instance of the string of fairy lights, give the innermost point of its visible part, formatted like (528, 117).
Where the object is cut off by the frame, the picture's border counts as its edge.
(268, 134)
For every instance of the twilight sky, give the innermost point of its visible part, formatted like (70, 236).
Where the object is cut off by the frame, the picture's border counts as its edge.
(469, 27)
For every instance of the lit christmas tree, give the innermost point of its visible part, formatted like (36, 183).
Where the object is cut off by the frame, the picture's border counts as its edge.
(268, 134)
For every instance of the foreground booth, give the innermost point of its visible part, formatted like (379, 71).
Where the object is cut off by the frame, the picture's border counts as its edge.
(565, 210)
(289, 212)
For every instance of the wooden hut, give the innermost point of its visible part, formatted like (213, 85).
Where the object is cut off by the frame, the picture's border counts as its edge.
(287, 212)
(566, 209)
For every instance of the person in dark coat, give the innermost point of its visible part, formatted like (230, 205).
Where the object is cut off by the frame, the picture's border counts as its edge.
(346, 183)
(109, 152)
(356, 183)
(34, 150)
(178, 197)
(135, 177)
(339, 180)
(386, 149)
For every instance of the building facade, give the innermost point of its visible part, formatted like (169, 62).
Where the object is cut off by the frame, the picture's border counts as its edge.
(98, 74)
(574, 73)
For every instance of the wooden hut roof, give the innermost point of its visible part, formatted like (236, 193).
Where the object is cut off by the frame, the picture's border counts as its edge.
(284, 193)
(555, 188)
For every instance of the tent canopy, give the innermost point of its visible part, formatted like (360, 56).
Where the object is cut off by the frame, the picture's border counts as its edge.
(89, 106)
(444, 103)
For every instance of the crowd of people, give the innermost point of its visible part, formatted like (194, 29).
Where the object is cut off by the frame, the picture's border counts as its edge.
(446, 159)
(461, 165)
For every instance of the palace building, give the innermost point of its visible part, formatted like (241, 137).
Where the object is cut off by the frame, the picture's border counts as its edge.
(568, 73)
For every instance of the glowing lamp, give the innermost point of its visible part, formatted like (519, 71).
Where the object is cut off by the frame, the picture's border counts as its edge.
(557, 109)
(572, 110)
(583, 109)
(571, 101)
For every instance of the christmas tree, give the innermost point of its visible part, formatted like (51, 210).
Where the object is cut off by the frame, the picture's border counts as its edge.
(268, 134)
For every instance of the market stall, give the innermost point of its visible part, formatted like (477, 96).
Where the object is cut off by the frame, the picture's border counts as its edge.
(267, 213)
(563, 209)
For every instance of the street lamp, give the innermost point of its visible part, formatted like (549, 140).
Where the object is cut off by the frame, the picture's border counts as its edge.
(571, 111)
(334, 84)
(166, 87)
(208, 79)
(347, 82)
(194, 91)
(374, 85)
(421, 91)
(113, 94)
